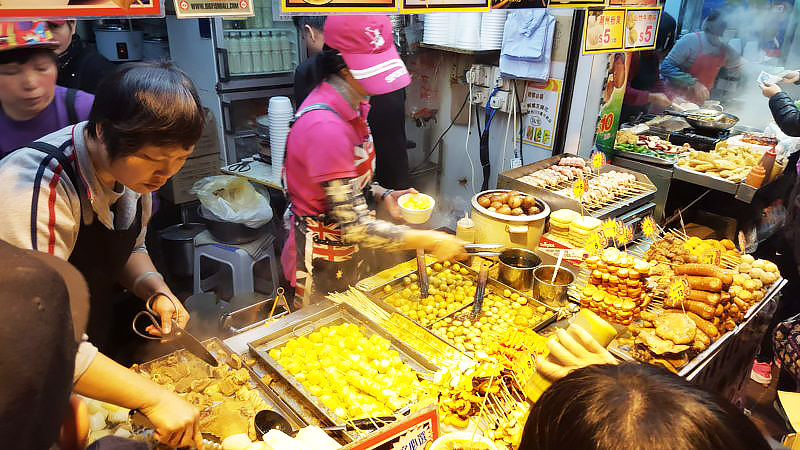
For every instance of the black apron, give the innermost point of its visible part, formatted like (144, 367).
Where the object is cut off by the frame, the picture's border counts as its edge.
(100, 255)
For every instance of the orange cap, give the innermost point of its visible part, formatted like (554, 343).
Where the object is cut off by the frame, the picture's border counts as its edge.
(26, 34)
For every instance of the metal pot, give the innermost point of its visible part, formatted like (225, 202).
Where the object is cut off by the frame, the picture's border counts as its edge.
(554, 294)
(178, 247)
(511, 231)
(702, 118)
(516, 268)
(229, 232)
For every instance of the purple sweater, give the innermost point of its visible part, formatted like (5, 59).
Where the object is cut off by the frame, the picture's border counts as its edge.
(15, 134)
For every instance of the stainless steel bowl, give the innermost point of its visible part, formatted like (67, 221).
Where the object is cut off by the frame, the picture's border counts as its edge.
(516, 268)
(552, 293)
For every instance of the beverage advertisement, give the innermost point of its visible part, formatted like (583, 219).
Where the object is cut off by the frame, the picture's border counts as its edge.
(611, 100)
(44, 9)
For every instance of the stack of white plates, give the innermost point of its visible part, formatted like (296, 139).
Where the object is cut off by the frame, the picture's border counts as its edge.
(436, 29)
(278, 116)
(469, 31)
(492, 24)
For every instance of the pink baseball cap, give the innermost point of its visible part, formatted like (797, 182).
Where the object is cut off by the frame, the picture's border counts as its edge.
(366, 45)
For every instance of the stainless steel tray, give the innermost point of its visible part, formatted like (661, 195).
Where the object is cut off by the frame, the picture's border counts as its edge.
(643, 157)
(334, 315)
(701, 179)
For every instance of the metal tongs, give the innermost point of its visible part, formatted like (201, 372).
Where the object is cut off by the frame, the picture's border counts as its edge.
(177, 334)
(480, 290)
(422, 273)
(486, 250)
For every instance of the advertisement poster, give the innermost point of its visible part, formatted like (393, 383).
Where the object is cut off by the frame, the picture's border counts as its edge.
(604, 30)
(541, 101)
(518, 4)
(611, 100)
(415, 432)
(185, 9)
(576, 3)
(338, 6)
(633, 2)
(43, 9)
(426, 6)
(641, 28)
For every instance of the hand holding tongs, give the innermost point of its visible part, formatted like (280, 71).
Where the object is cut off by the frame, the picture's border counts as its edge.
(487, 250)
(177, 333)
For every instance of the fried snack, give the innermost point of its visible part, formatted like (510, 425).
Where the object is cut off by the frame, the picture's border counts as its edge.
(617, 287)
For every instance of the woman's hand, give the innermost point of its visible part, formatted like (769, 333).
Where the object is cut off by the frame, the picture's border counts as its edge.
(574, 348)
(168, 307)
(391, 202)
(443, 246)
(789, 76)
(769, 89)
(176, 421)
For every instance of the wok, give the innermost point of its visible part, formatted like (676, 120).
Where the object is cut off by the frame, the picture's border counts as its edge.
(709, 119)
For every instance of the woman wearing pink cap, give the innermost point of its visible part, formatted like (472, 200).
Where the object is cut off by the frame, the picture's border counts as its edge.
(330, 161)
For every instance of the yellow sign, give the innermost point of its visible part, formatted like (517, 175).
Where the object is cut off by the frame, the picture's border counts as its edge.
(338, 6)
(619, 230)
(649, 226)
(627, 235)
(598, 160)
(677, 292)
(610, 227)
(641, 28)
(711, 256)
(595, 243)
(604, 31)
(579, 187)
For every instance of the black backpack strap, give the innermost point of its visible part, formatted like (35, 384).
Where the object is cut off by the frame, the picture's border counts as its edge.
(72, 114)
(57, 154)
(309, 108)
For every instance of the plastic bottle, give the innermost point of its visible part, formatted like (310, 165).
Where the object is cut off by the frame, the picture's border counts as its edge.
(277, 64)
(768, 162)
(286, 55)
(247, 54)
(465, 229)
(756, 177)
(264, 52)
(234, 52)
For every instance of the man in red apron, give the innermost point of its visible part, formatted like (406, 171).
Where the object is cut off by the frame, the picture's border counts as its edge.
(330, 161)
(692, 66)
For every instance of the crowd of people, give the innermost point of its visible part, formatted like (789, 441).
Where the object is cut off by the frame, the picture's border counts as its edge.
(78, 170)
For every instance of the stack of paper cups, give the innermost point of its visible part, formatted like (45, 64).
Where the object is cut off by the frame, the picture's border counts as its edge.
(278, 116)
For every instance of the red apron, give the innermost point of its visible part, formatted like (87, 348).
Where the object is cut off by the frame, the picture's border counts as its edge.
(705, 68)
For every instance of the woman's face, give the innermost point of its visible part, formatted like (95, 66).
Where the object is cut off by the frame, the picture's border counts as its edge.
(27, 89)
(149, 168)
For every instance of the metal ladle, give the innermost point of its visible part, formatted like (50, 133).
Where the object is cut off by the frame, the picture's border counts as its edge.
(266, 420)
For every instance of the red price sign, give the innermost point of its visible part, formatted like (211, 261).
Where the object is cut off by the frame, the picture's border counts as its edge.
(640, 28)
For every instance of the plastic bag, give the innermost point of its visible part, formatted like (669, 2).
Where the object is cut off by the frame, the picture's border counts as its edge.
(232, 199)
(786, 144)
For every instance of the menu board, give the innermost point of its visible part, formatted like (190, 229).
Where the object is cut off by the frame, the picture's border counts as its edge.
(620, 29)
(185, 9)
(604, 30)
(641, 28)
(49, 9)
(576, 3)
(541, 101)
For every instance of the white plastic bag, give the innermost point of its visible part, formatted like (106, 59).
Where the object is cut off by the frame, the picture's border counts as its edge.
(232, 199)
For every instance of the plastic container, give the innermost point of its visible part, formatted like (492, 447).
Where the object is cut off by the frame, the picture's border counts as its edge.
(756, 177)
(415, 215)
(465, 229)
(441, 443)
(768, 161)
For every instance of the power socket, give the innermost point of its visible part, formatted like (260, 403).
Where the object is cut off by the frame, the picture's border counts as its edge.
(500, 100)
(480, 95)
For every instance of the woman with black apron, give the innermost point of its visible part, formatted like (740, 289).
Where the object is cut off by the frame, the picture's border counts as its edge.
(330, 162)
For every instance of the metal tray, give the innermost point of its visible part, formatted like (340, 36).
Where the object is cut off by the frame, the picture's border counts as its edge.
(366, 286)
(334, 315)
(701, 179)
(268, 395)
(643, 157)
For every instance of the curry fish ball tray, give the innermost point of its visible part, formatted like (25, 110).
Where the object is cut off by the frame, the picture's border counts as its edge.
(331, 317)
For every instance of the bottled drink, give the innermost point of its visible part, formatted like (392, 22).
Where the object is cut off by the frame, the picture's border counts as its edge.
(255, 43)
(247, 54)
(234, 52)
(277, 63)
(266, 52)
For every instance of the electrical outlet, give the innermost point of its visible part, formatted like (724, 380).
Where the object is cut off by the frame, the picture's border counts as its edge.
(500, 100)
(482, 75)
(480, 95)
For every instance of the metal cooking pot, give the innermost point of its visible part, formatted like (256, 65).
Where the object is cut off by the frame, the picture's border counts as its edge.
(229, 232)
(516, 268)
(511, 231)
(554, 294)
(709, 119)
(178, 247)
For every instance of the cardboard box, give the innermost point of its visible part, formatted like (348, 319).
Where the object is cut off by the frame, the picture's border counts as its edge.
(208, 144)
(177, 188)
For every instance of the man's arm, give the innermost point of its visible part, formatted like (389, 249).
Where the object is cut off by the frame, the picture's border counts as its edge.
(681, 55)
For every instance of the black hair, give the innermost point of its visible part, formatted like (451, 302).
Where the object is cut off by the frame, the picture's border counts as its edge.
(666, 32)
(146, 103)
(24, 54)
(634, 406)
(315, 22)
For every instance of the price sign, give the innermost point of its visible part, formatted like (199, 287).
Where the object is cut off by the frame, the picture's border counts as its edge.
(742, 242)
(678, 290)
(627, 235)
(604, 30)
(649, 226)
(711, 256)
(579, 187)
(619, 230)
(598, 160)
(595, 243)
(641, 27)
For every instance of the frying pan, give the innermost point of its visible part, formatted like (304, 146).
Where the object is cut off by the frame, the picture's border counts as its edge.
(709, 119)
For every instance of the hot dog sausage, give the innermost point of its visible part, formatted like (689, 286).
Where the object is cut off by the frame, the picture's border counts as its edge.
(703, 325)
(711, 284)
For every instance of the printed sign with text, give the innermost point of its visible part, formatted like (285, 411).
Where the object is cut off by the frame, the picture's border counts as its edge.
(424, 6)
(45, 9)
(541, 101)
(641, 28)
(185, 9)
(338, 6)
(413, 432)
(604, 30)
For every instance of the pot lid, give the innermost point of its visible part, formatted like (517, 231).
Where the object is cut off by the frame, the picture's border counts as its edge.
(182, 231)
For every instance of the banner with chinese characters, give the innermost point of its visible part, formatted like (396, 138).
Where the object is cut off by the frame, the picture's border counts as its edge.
(50, 9)
(641, 28)
(425, 6)
(576, 3)
(611, 100)
(414, 432)
(185, 9)
(338, 6)
(604, 30)
(541, 102)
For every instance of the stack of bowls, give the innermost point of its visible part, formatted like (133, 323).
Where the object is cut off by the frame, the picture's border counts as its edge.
(436, 29)
(492, 24)
(469, 31)
(278, 116)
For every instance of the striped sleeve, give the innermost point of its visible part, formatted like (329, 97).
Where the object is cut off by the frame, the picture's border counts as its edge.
(41, 207)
